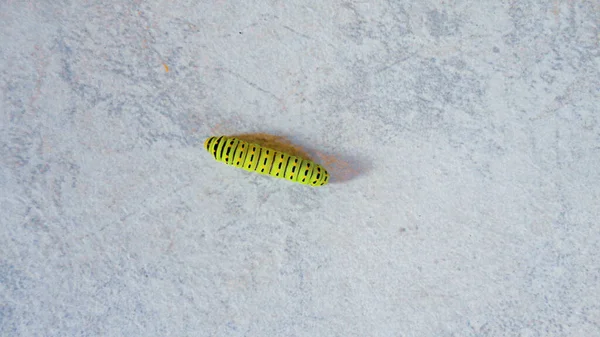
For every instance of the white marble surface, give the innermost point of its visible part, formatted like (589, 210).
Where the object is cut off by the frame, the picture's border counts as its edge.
(464, 138)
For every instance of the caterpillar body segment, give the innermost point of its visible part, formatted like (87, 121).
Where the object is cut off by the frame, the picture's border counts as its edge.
(256, 158)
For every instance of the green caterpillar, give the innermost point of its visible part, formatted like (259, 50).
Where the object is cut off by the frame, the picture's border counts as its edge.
(256, 158)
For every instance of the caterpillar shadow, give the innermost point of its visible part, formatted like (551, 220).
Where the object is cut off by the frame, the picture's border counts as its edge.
(342, 168)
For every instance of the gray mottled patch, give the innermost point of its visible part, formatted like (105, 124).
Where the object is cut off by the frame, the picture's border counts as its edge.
(440, 24)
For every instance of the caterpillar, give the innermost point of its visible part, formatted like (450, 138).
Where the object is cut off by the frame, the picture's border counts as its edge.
(256, 158)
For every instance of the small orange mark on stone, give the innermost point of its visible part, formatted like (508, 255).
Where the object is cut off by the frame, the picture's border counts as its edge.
(166, 67)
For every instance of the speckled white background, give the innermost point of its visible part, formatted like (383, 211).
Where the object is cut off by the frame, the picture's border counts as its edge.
(464, 138)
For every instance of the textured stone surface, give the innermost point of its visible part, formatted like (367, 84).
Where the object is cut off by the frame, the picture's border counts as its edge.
(464, 138)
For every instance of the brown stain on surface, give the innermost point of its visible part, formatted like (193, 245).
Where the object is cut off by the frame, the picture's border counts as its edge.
(340, 169)
(277, 143)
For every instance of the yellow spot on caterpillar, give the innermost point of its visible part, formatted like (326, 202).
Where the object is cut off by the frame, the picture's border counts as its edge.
(166, 67)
